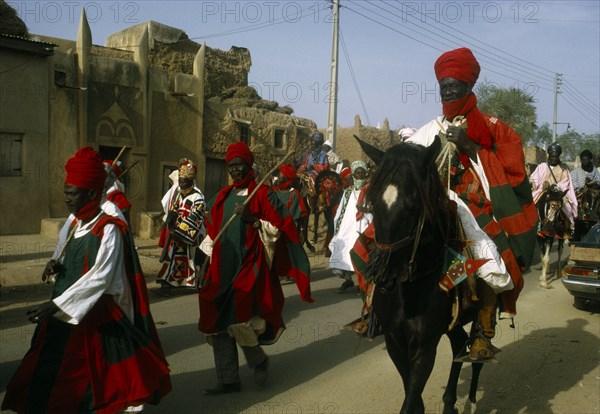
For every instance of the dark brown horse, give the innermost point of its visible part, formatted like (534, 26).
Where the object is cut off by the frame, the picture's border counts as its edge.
(413, 227)
(553, 226)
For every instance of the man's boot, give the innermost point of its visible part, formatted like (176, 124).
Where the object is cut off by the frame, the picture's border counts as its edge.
(483, 329)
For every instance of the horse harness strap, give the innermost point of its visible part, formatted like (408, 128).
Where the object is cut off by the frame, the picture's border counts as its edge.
(404, 241)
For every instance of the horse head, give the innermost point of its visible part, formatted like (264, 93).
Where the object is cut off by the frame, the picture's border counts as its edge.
(407, 201)
(549, 206)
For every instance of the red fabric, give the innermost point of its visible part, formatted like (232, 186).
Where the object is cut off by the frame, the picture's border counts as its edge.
(255, 274)
(119, 199)
(361, 201)
(85, 170)
(239, 149)
(477, 129)
(287, 171)
(458, 64)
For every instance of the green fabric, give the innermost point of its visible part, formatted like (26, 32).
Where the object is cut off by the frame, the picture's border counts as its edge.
(80, 252)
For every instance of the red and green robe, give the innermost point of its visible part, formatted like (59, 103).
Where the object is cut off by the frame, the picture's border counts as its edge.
(239, 282)
(103, 361)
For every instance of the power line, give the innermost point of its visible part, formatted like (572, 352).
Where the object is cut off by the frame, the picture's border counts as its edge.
(362, 103)
(578, 100)
(595, 122)
(595, 106)
(489, 56)
(427, 44)
(495, 49)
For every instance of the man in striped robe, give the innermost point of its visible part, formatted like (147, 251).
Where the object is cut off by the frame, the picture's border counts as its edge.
(490, 186)
(95, 347)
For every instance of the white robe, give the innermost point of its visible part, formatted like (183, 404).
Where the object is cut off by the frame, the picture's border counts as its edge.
(106, 277)
(346, 234)
(494, 272)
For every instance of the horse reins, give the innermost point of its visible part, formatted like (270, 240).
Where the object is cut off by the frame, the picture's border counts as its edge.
(404, 242)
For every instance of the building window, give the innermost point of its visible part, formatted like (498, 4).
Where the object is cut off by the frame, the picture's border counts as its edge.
(279, 138)
(10, 154)
(245, 133)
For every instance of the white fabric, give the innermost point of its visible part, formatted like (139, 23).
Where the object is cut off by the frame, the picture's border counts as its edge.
(494, 272)
(106, 277)
(482, 247)
(108, 207)
(345, 236)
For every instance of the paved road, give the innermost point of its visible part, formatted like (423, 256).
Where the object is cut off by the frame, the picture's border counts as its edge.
(549, 363)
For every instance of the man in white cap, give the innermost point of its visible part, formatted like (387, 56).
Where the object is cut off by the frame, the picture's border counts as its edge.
(335, 162)
(406, 132)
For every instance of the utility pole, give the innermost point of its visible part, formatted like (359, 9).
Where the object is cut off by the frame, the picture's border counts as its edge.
(557, 83)
(333, 77)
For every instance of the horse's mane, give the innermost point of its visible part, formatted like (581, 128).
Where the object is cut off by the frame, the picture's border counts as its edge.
(406, 160)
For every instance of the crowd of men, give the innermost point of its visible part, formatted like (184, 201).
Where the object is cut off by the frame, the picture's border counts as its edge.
(237, 248)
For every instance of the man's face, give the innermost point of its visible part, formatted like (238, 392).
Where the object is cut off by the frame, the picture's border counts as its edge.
(185, 183)
(76, 197)
(238, 168)
(452, 89)
(326, 148)
(585, 161)
(553, 158)
(360, 173)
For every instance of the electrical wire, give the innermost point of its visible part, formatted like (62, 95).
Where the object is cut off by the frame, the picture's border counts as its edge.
(360, 98)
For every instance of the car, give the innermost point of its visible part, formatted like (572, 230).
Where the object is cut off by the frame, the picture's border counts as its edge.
(581, 276)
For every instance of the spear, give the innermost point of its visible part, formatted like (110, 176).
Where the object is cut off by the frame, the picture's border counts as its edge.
(251, 195)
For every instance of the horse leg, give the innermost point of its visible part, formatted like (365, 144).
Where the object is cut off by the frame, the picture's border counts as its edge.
(316, 225)
(398, 353)
(305, 234)
(559, 263)
(458, 339)
(421, 361)
(547, 245)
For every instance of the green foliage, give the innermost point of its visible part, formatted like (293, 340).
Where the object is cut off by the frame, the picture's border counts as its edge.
(573, 143)
(513, 106)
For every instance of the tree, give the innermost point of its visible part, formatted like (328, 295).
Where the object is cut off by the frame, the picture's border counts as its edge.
(573, 143)
(511, 105)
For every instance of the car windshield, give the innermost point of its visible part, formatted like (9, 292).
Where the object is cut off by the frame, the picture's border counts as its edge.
(593, 236)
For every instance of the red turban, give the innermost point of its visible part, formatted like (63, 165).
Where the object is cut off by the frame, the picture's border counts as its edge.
(458, 64)
(85, 170)
(287, 171)
(239, 149)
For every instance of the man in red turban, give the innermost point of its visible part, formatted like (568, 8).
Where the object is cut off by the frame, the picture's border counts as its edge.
(240, 297)
(99, 297)
(489, 183)
(286, 189)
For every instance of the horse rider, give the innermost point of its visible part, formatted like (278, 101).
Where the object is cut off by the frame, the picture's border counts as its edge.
(334, 160)
(586, 173)
(555, 172)
(489, 185)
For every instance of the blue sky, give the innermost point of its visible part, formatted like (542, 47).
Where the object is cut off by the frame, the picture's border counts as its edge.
(387, 54)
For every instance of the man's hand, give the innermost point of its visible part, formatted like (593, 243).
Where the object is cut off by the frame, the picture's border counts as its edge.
(171, 220)
(45, 310)
(244, 214)
(52, 268)
(458, 136)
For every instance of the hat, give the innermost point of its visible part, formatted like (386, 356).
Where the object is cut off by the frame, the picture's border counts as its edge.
(239, 149)
(85, 170)
(287, 171)
(458, 64)
(554, 147)
(328, 143)
(188, 170)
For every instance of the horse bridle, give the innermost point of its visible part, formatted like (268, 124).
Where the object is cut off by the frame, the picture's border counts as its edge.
(405, 241)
